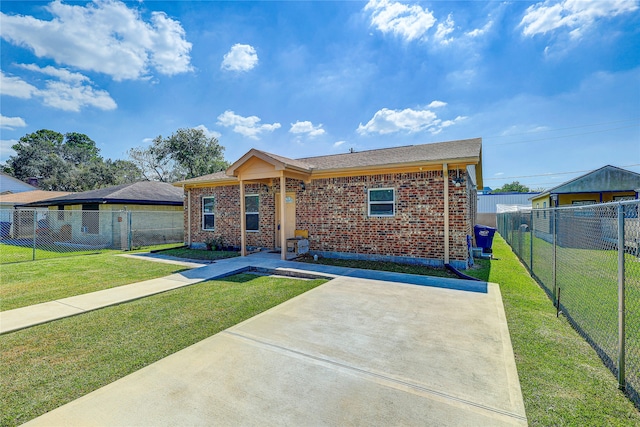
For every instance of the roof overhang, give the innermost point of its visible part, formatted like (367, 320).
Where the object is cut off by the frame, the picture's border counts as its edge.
(257, 165)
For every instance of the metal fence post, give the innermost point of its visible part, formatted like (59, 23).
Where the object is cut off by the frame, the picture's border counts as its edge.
(554, 218)
(533, 233)
(129, 231)
(621, 302)
(35, 229)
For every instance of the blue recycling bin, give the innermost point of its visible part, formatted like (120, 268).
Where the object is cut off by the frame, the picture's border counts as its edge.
(484, 237)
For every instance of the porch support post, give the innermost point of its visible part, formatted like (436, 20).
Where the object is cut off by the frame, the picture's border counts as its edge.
(445, 175)
(243, 222)
(188, 216)
(283, 217)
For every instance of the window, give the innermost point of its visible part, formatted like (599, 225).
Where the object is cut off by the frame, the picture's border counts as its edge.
(208, 217)
(382, 202)
(544, 206)
(583, 212)
(251, 210)
(60, 213)
(91, 218)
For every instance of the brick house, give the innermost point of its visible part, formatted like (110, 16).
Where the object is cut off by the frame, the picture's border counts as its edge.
(414, 204)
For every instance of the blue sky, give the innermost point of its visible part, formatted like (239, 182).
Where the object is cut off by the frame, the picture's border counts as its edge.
(552, 87)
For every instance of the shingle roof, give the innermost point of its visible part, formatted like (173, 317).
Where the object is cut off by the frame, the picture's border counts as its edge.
(434, 152)
(141, 193)
(438, 151)
(30, 196)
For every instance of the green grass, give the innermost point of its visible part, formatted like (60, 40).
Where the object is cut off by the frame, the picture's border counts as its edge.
(29, 283)
(46, 366)
(382, 265)
(563, 381)
(200, 254)
(11, 253)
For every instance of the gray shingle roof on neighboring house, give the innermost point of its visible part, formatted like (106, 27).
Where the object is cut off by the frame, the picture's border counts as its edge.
(411, 154)
(140, 193)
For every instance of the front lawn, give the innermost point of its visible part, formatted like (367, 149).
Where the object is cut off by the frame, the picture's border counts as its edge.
(46, 366)
(29, 283)
(199, 254)
(10, 253)
(381, 265)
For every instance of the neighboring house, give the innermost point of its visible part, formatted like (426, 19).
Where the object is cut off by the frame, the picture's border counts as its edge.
(607, 184)
(98, 217)
(413, 204)
(9, 184)
(488, 202)
(10, 200)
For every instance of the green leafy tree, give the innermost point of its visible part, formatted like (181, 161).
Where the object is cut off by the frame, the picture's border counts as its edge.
(513, 187)
(69, 162)
(187, 153)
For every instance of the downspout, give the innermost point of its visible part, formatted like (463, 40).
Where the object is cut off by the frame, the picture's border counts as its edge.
(283, 217)
(445, 175)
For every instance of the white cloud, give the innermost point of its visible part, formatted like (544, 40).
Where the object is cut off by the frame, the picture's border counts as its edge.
(436, 104)
(11, 123)
(575, 15)
(409, 22)
(443, 30)
(247, 126)
(71, 94)
(103, 36)
(306, 127)
(241, 57)
(68, 97)
(479, 32)
(208, 133)
(60, 73)
(16, 87)
(339, 143)
(387, 121)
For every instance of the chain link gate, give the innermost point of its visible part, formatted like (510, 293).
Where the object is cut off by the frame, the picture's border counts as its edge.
(587, 259)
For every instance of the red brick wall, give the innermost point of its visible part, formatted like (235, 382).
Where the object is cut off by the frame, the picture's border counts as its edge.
(334, 210)
(227, 215)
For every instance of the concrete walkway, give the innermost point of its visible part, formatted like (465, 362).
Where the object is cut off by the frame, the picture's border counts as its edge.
(355, 351)
(25, 317)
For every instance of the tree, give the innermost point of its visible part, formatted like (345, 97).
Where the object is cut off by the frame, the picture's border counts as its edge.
(514, 187)
(153, 163)
(69, 162)
(187, 153)
(194, 152)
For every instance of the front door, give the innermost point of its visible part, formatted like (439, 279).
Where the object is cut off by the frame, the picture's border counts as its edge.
(290, 217)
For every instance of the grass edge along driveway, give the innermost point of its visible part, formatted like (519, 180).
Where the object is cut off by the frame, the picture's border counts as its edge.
(46, 366)
(563, 381)
(34, 282)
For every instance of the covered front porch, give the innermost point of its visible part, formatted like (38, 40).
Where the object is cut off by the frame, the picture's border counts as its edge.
(257, 167)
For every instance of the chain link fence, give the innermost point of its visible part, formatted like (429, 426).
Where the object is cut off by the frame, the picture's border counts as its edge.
(587, 259)
(30, 234)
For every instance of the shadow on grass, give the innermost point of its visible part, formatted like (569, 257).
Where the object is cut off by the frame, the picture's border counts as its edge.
(481, 269)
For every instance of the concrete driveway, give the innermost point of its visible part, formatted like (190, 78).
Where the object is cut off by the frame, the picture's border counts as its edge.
(351, 352)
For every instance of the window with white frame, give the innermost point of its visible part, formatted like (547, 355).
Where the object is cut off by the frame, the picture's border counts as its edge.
(208, 215)
(251, 210)
(382, 202)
